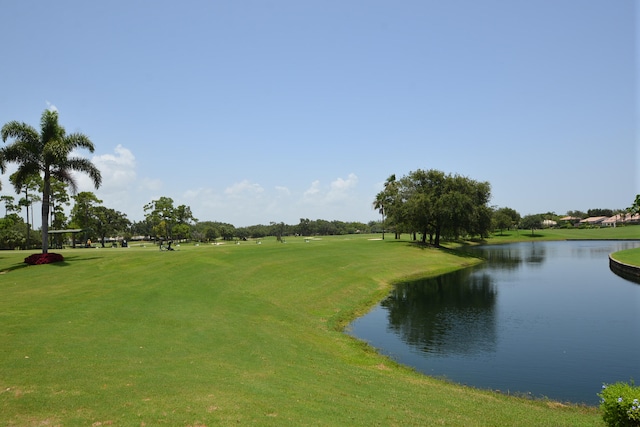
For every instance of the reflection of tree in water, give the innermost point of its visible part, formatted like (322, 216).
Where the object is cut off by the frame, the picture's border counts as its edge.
(535, 255)
(510, 257)
(501, 258)
(450, 314)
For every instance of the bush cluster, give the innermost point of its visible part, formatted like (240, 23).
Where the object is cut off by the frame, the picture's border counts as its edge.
(37, 259)
(620, 404)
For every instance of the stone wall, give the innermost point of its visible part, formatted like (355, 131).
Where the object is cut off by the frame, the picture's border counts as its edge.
(626, 271)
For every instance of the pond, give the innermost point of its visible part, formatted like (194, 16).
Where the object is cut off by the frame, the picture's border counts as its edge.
(543, 319)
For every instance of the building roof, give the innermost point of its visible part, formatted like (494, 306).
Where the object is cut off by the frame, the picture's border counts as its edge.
(594, 219)
(69, 230)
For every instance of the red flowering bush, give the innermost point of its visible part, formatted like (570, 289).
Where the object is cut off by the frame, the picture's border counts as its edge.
(37, 259)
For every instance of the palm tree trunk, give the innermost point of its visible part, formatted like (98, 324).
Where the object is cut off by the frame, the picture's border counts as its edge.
(45, 214)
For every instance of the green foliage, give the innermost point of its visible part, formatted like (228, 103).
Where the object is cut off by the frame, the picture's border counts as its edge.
(45, 155)
(163, 217)
(531, 222)
(620, 404)
(635, 207)
(109, 222)
(83, 213)
(600, 212)
(436, 204)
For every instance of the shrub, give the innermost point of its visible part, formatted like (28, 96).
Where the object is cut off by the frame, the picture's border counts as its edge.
(37, 259)
(620, 404)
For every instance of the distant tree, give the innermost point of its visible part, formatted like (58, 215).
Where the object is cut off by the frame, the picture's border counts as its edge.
(212, 233)
(577, 214)
(109, 222)
(59, 199)
(277, 229)
(513, 215)
(385, 198)
(501, 221)
(227, 231)
(12, 232)
(181, 231)
(600, 212)
(183, 215)
(305, 228)
(162, 216)
(635, 207)
(141, 228)
(531, 222)
(437, 204)
(83, 213)
(9, 205)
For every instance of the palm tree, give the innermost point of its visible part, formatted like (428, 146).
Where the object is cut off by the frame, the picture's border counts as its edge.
(383, 198)
(47, 153)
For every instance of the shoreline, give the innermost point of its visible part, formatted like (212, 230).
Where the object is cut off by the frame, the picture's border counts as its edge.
(624, 270)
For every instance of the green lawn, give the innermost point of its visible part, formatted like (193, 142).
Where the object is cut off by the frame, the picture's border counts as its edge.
(629, 256)
(627, 232)
(229, 334)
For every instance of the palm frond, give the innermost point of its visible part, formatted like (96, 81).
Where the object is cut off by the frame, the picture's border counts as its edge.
(50, 129)
(80, 140)
(20, 177)
(20, 132)
(80, 164)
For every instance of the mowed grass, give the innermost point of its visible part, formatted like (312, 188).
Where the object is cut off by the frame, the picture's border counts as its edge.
(628, 256)
(233, 334)
(599, 233)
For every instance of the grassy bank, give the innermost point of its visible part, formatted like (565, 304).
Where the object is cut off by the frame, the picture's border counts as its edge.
(604, 233)
(629, 256)
(229, 334)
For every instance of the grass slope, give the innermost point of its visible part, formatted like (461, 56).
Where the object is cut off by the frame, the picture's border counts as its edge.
(229, 334)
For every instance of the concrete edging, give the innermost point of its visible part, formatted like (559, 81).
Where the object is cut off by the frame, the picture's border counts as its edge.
(626, 271)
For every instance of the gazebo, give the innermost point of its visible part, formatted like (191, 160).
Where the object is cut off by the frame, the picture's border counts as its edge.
(73, 232)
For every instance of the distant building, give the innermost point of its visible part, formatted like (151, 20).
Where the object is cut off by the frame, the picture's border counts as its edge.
(593, 220)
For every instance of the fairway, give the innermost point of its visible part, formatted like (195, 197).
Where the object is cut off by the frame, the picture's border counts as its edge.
(226, 334)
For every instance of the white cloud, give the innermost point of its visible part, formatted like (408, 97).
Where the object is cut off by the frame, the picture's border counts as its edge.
(283, 191)
(339, 190)
(51, 107)
(118, 170)
(148, 184)
(244, 189)
(312, 191)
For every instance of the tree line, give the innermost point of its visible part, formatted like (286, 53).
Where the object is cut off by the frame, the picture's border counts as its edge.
(426, 203)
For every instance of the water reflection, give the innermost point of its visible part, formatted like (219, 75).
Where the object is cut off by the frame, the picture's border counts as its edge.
(450, 314)
(542, 318)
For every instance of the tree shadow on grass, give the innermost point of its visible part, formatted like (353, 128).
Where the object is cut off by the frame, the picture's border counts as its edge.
(533, 236)
(67, 262)
(14, 268)
(463, 251)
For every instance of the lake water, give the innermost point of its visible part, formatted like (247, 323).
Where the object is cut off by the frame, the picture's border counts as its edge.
(545, 319)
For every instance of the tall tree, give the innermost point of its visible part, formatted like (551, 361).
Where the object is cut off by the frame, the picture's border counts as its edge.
(59, 199)
(46, 153)
(435, 204)
(384, 199)
(109, 222)
(83, 213)
(30, 186)
(9, 206)
(532, 222)
(163, 217)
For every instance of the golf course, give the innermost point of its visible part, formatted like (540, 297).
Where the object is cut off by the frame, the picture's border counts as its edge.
(234, 334)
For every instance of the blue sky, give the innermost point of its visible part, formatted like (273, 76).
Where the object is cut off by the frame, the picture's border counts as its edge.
(259, 111)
